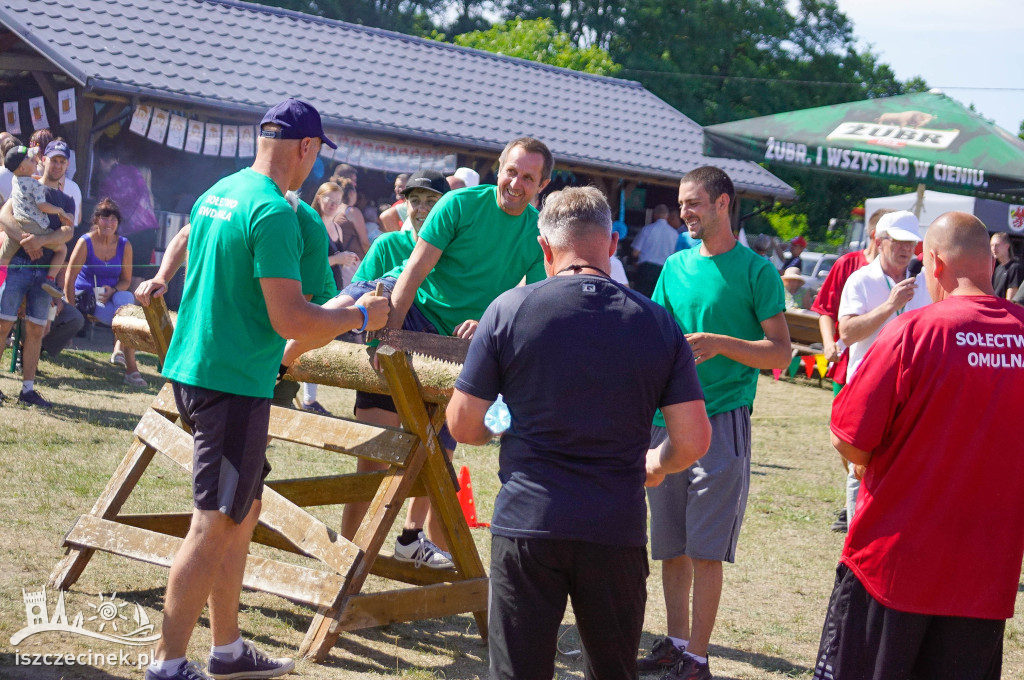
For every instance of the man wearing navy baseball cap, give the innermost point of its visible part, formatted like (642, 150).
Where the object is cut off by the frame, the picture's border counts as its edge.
(242, 299)
(294, 119)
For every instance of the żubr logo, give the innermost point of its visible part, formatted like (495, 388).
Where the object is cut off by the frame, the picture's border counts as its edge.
(896, 130)
(107, 619)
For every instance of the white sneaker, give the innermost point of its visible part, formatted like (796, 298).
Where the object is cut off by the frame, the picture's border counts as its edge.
(423, 552)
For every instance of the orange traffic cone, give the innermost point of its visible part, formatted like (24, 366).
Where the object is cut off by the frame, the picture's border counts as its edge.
(465, 494)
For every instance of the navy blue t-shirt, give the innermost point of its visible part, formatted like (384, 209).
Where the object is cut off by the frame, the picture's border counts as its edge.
(583, 363)
(61, 200)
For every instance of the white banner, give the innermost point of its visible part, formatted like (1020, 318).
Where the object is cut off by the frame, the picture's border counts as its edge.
(37, 109)
(140, 119)
(66, 106)
(12, 121)
(158, 128)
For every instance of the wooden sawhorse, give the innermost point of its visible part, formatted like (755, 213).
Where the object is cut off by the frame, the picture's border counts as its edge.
(417, 465)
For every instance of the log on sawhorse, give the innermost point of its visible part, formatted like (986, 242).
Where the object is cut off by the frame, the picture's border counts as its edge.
(416, 465)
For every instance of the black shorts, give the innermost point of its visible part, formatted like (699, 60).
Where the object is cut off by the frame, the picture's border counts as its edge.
(229, 458)
(531, 578)
(864, 640)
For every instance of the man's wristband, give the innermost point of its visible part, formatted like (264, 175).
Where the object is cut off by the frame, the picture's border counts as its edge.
(366, 318)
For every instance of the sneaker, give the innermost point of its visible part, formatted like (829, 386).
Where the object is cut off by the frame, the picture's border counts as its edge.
(117, 358)
(315, 407)
(188, 671)
(423, 552)
(664, 654)
(135, 380)
(284, 393)
(840, 526)
(33, 398)
(689, 668)
(252, 664)
(52, 290)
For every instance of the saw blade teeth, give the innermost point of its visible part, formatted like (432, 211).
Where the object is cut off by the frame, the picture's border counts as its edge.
(433, 358)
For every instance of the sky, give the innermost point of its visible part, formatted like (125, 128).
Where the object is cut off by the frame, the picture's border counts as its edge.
(958, 46)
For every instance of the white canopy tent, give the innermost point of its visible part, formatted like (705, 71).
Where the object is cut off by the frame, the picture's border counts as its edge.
(935, 203)
(996, 215)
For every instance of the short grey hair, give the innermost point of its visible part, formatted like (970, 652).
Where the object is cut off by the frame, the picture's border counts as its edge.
(574, 215)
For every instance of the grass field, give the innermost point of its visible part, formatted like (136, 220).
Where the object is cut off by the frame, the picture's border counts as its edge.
(54, 465)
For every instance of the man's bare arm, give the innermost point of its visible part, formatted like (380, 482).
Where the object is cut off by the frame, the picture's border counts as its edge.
(293, 317)
(774, 351)
(850, 452)
(174, 257)
(689, 435)
(828, 337)
(423, 259)
(465, 415)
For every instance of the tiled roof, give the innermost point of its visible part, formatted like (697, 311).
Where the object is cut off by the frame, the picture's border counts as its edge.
(247, 57)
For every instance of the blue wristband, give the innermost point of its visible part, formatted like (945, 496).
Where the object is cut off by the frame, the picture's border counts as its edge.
(366, 318)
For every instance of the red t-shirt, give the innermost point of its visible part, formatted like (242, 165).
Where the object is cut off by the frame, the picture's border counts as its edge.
(939, 526)
(827, 302)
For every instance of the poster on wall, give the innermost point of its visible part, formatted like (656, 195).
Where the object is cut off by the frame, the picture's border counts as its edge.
(37, 109)
(66, 106)
(229, 140)
(12, 122)
(212, 145)
(246, 141)
(140, 119)
(194, 139)
(176, 131)
(158, 127)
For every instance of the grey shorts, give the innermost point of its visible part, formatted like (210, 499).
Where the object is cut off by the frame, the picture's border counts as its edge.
(698, 512)
(229, 455)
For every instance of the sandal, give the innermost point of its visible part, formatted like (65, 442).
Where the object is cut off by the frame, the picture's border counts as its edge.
(117, 357)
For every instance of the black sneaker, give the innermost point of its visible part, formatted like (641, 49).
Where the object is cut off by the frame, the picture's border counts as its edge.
(315, 407)
(840, 526)
(664, 654)
(284, 393)
(188, 671)
(252, 664)
(689, 669)
(33, 398)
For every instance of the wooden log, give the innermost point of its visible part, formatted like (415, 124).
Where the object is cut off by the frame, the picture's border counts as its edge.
(339, 364)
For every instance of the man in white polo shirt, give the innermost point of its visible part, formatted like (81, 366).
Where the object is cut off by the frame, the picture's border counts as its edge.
(876, 294)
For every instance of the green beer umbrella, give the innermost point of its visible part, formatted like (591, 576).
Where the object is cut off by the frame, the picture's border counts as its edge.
(912, 139)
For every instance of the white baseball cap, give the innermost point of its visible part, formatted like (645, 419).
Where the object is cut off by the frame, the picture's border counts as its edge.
(901, 225)
(468, 175)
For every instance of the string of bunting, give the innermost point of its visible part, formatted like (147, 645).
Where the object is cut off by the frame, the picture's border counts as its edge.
(810, 363)
(229, 140)
(66, 112)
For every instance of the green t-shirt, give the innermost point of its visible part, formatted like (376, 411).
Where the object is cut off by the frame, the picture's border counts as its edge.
(386, 256)
(317, 278)
(729, 294)
(486, 252)
(242, 230)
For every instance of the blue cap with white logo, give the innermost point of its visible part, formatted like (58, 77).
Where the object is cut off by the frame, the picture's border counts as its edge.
(297, 120)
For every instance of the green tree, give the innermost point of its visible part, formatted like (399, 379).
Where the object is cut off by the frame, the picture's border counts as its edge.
(723, 60)
(539, 40)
